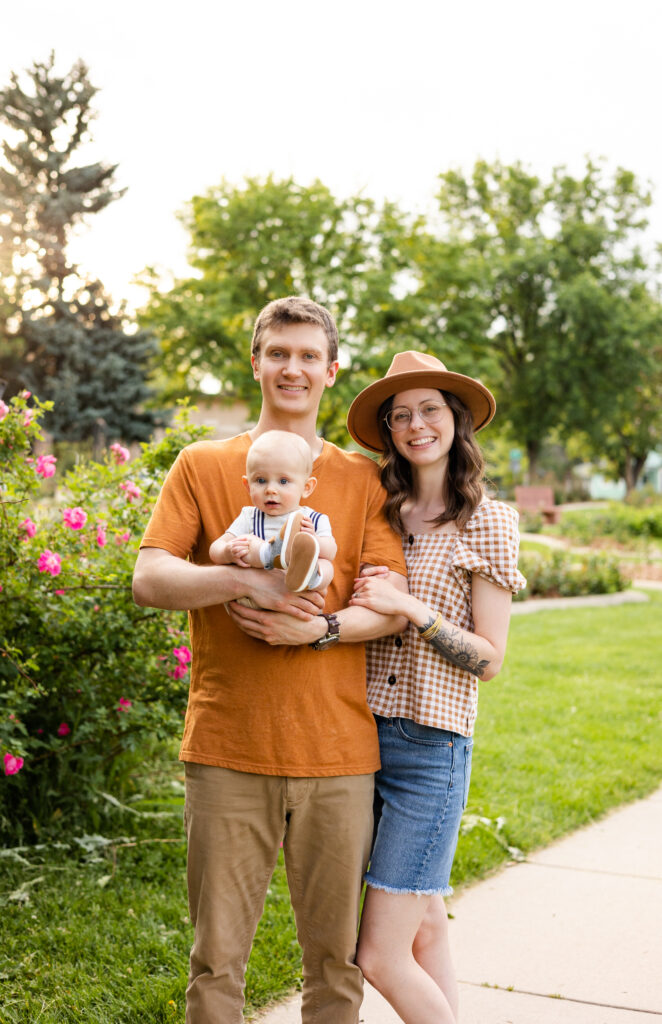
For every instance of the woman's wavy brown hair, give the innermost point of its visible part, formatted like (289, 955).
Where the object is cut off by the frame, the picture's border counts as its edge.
(464, 483)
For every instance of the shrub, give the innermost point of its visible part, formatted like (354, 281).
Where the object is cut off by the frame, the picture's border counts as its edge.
(621, 522)
(560, 574)
(89, 682)
(530, 522)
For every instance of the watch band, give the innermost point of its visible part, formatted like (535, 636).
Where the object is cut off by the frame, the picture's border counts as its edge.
(332, 635)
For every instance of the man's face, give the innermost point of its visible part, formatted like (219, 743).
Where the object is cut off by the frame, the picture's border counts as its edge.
(293, 369)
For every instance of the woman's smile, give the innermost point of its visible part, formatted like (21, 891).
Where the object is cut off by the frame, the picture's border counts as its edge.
(421, 442)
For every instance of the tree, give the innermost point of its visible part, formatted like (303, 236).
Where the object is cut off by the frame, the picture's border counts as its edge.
(525, 283)
(540, 270)
(65, 338)
(90, 350)
(626, 424)
(267, 239)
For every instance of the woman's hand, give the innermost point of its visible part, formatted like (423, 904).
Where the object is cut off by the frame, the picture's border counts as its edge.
(381, 571)
(377, 594)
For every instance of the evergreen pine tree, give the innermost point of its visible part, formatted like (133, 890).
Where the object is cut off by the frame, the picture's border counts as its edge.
(66, 343)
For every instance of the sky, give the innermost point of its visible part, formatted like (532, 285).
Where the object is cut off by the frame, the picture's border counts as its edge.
(368, 95)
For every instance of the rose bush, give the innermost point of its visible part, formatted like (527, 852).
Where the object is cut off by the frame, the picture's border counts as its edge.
(89, 682)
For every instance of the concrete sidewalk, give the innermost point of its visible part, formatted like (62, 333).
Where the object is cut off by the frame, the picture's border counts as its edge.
(573, 935)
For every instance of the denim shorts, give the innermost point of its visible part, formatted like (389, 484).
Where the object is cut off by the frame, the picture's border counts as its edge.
(420, 794)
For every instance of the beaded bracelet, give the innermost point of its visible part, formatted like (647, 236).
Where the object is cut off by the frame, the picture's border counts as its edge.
(431, 628)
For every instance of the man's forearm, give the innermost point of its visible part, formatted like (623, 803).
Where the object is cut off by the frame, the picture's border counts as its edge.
(161, 580)
(165, 581)
(360, 624)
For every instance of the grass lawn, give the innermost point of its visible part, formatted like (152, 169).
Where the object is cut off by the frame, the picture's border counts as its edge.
(99, 932)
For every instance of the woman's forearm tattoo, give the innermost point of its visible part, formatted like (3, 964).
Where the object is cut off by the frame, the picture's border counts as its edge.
(454, 647)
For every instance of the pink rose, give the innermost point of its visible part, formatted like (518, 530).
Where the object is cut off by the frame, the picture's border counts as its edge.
(13, 764)
(179, 671)
(75, 518)
(50, 562)
(182, 654)
(63, 729)
(124, 704)
(130, 490)
(101, 535)
(120, 538)
(4, 409)
(120, 454)
(46, 465)
(29, 527)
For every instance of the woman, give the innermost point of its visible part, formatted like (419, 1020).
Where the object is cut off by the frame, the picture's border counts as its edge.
(461, 552)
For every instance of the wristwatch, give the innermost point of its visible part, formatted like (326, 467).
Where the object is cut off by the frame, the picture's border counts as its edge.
(332, 635)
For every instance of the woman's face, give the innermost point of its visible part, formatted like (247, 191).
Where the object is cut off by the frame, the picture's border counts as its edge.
(428, 427)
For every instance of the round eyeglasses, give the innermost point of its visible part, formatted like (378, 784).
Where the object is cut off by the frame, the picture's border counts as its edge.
(399, 418)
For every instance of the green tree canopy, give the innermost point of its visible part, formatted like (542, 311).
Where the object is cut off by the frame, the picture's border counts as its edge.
(549, 280)
(265, 239)
(59, 334)
(538, 287)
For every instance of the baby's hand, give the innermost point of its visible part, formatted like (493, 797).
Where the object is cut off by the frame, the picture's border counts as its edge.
(239, 549)
(381, 572)
(307, 525)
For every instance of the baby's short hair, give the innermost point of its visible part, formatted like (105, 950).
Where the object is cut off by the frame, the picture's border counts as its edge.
(274, 441)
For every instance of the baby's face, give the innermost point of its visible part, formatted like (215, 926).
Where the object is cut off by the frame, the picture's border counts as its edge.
(276, 485)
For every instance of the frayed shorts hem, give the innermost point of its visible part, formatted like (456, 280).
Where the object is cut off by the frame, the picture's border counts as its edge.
(397, 891)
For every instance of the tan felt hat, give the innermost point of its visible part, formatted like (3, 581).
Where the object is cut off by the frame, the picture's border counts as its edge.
(415, 370)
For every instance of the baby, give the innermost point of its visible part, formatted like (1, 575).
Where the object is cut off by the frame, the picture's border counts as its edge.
(276, 531)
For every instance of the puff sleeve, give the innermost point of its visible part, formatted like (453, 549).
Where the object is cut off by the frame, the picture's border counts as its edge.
(489, 545)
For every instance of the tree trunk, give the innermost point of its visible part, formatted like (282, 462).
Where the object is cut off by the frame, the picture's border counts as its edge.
(99, 438)
(533, 452)
(633, 466)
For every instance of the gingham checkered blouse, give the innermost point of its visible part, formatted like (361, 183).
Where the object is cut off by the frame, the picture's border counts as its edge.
(407, 677)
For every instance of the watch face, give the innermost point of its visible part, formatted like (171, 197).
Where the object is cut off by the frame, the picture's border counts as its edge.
(332, 635)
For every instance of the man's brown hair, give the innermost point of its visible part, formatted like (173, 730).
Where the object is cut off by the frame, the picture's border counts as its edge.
(295, 310)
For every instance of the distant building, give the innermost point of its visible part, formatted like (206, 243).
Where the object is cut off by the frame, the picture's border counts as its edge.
(601, 489)
(225, 418)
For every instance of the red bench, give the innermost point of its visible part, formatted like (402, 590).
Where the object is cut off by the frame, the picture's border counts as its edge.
(538, 499)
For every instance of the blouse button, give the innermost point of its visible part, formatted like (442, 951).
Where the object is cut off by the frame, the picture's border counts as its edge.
(398, 641)
(411, 538)
(391, 680)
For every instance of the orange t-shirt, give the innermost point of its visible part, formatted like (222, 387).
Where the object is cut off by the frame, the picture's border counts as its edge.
(275, 710)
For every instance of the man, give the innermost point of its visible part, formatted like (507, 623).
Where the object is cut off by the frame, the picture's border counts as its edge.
(279, 744)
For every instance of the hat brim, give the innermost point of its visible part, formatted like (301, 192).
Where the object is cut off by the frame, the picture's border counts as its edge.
(362, 416)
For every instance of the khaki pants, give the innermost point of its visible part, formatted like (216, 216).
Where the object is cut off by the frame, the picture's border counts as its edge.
(235, 822)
